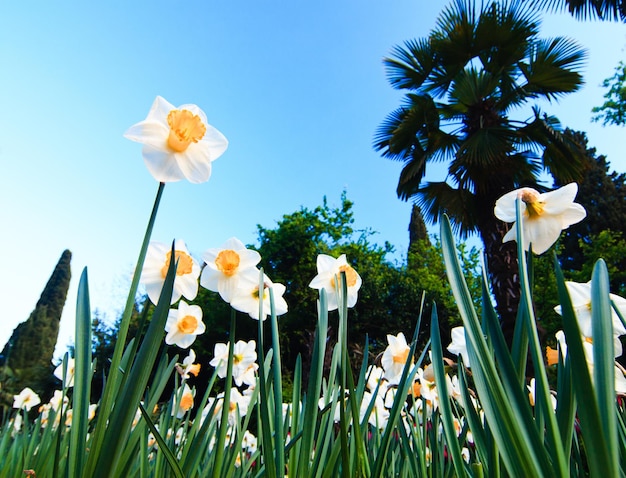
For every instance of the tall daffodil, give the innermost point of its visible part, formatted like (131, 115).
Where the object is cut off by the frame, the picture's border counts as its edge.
(329, 270)
(545, 215)
(184, 324)
(225, 265)
(178, 143)
(155, 268)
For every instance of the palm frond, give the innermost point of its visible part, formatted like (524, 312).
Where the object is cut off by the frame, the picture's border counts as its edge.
(562, 156)
(438, 198)
(410, 65)
(586, 9)
(553, 68)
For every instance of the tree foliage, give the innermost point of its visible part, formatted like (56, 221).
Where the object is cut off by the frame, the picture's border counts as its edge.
(613, 110)
(465, 83)
(28, 354)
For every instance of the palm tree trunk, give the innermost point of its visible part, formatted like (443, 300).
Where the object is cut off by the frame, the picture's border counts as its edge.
(502, 268)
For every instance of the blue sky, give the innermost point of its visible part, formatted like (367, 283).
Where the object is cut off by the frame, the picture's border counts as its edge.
(298, 88)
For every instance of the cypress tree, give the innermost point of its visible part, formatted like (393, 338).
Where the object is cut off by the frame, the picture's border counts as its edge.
(28, 354)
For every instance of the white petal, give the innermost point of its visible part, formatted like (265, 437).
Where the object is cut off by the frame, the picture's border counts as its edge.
(557, 201)
(162, 164)
(216, 142)
(195, 163)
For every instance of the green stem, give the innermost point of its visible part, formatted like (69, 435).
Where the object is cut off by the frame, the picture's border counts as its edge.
(223, 427)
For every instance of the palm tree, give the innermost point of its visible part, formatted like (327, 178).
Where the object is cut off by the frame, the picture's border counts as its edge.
(464, 82)
(583, 9)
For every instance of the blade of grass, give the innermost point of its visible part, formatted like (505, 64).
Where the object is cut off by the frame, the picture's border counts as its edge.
(82, 380)
(111, 389)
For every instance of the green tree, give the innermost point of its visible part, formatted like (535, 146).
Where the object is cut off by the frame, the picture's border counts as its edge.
(613, 110)
(28, 353)
(464, 81)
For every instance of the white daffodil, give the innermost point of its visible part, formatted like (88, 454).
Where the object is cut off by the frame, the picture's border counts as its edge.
(580, 295)
(395, 357)
(329, 270)
(379, 415)
(375, 380)
(247, 296)
(458, 345)
(183, 401)
(244, 356)
(183, 325)
(69, 378)
(237, 408)
(545, 215)
(188, 367)
(620, 379)
(26, 399)
(155, 268)
(531, 394)
(225, 265)
(178, 143)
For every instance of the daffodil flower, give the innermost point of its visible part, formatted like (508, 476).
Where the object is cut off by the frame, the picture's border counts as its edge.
(244, 356)
(183, 401)
(69, 378)
(155, 269)
(183, 325)
(395, 357)
(580, 295)
(248, 296)
(178, 143)
(545, 215)
(26, 399)
(379, 415)
(225, 265)
(458, 345)
(188, 367)
(327, 278)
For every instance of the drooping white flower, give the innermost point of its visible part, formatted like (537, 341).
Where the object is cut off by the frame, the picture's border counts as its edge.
(458, 345)
(244, 356)
(545, 215)
(395, 357)
(26, 399)
(155, 269)
(225, 265)
(328, 275)
(183, 325)
(178, 143)
(248, 296)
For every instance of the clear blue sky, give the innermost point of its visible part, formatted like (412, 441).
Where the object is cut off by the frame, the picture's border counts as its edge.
(298, 88)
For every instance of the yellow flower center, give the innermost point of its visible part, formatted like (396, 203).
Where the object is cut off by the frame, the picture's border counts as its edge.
(185, 128)
(194, 369)
(186, 401)
(534, 207)
(237, 358)
(227, 262)
(185, 263)
(401, 357)
(552, 356)
(350, 275)
(187, 325)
